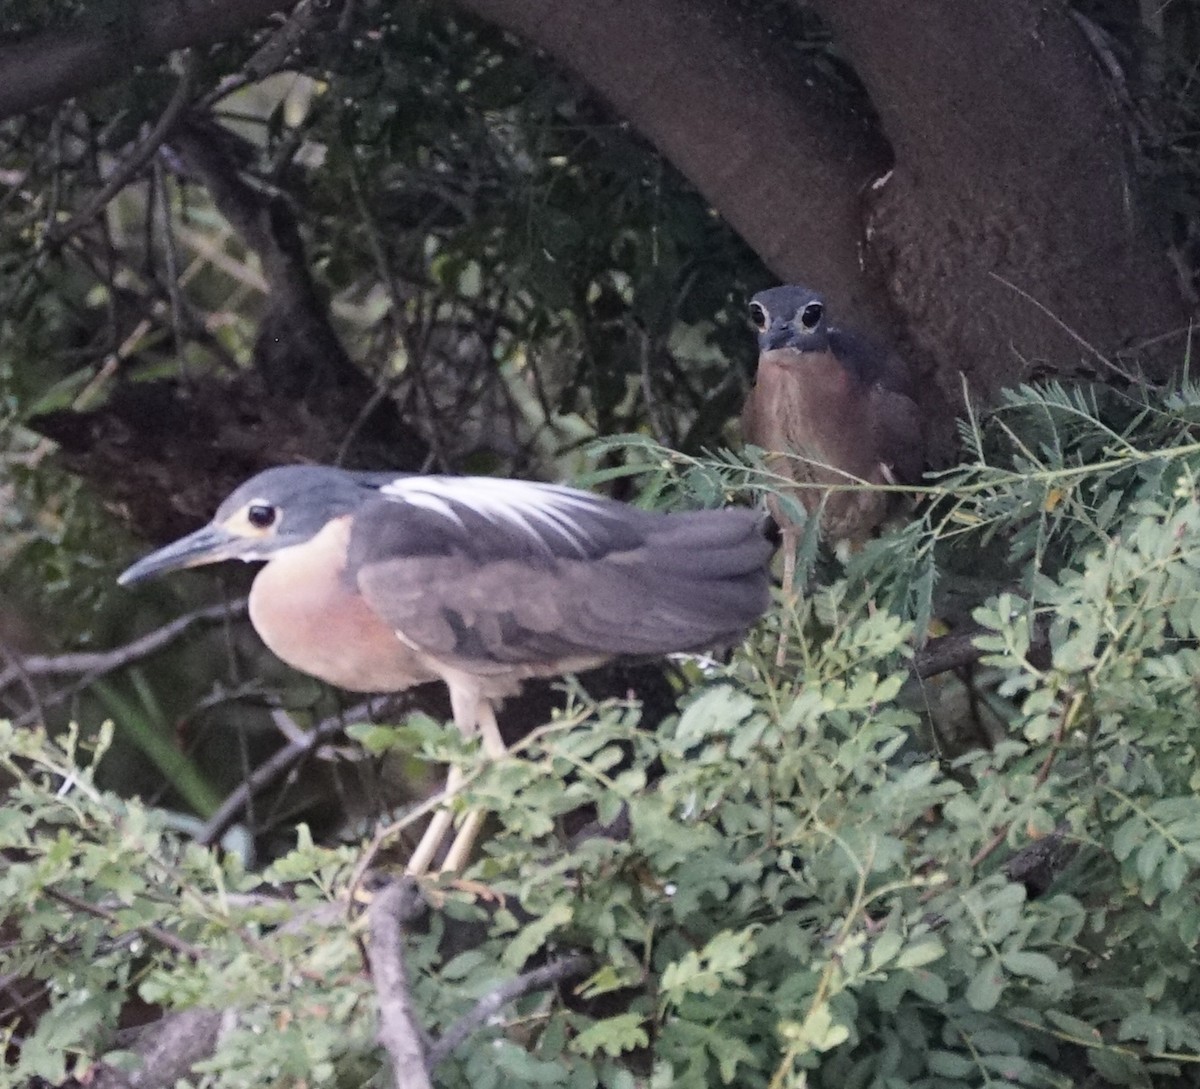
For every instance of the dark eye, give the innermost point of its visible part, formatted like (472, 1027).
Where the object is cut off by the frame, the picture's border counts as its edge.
(810, 316)
(758, 315)
(261, 515)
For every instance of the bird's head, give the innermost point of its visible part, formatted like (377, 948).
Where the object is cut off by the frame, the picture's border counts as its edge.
(790, 318)
(274, 510)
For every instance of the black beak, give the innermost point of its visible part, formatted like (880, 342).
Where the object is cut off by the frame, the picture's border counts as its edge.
(211, 544)
(780, 334)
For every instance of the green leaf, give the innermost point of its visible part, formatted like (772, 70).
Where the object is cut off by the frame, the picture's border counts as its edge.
(533, 936)
(613, 1036)
(885, 948)
(949, 1064)
(986, 986)
(1072, 1026)
(921, 953)
(717, 712)
(1035, 965)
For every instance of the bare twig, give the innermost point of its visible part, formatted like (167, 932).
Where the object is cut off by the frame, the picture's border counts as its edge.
(136, 159)
(274, 53)
(399, 1033)
(279, 765)
(495, 1000)
(98, 663)
(155, 933)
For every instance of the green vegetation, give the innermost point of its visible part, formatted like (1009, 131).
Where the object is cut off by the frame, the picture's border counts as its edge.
(814, 886)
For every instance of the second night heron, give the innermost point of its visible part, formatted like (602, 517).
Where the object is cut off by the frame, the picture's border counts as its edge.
(376, 582)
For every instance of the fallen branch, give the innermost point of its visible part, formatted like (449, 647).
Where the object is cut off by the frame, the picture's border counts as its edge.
(391, 910)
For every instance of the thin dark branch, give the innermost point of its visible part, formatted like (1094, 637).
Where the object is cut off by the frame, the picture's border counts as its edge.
(138, 158)
(155, 933)
(958, 649)
(495, 1000)
(399, 1032)
(106, 661)
(16, 671)
(279, 765)
(274, 53)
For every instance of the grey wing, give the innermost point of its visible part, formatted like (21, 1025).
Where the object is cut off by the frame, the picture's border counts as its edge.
(898, 423)
(693, 582)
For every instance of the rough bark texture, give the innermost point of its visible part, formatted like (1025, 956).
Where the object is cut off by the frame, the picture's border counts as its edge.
(765, 142)
(1011, 216)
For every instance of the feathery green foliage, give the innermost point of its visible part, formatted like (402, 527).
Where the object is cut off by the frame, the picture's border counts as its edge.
(811, 885)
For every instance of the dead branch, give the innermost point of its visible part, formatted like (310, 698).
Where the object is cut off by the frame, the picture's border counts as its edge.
(130, 166)
(97, 663)
(399, 1032)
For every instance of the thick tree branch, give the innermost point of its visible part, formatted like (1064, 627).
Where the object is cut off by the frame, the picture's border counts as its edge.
(168, 1050)
(55, 65)
(958, 649)
(763, 137)
(298, 351)
(1012, 182)
(399, 1032)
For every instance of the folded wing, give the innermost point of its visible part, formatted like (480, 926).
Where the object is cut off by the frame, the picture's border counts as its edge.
(496, 575)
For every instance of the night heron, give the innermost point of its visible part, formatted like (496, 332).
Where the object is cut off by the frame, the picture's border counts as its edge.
(829, 409)
(376, 582)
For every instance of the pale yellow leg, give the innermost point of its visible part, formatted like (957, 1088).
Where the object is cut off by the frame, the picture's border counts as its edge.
(435, 833)
(472, 713)
(460, 850)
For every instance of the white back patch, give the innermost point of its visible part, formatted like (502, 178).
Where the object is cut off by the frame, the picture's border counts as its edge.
(521, 504)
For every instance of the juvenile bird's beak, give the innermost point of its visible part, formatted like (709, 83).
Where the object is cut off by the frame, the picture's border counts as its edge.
(780, 334)
(210, 544)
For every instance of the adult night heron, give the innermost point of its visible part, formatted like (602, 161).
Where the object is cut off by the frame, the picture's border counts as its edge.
(376, 582)
(830, 409)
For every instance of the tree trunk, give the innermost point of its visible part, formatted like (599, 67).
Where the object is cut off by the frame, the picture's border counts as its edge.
(769, 146)
(1007, 236)
(1009, 232)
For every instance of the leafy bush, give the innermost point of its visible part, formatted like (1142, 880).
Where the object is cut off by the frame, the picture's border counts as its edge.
(799, 880)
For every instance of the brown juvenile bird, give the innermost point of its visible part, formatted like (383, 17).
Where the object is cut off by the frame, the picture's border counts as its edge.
(376, 582)
(830, 409)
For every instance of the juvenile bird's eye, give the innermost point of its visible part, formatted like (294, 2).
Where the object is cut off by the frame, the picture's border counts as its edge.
(810, 316)
(261, 515)
(758, 315)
